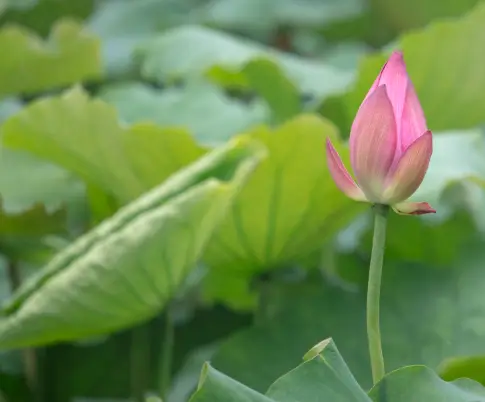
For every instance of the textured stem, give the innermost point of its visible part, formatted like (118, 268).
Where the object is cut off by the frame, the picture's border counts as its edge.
(374, 292)
(165, 368)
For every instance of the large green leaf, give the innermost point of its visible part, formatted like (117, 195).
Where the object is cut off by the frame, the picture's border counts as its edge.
(421, 383)
(444, 62)
(200, 107)
(84, 136)
(222, 57)
(289, 207)
(70, 55)
(440, 310)
(126, 269)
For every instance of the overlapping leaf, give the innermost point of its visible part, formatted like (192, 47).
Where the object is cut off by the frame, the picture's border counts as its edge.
(84, 136)
(128, 267)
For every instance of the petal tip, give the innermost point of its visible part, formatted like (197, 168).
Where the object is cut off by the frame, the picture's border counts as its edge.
(397, 55)
(340, 175)
(414, 208)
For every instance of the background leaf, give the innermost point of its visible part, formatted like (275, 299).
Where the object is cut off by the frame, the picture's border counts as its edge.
(70, 55)
(200, 107)
(44, 183)
(222, 56)
(472, 367)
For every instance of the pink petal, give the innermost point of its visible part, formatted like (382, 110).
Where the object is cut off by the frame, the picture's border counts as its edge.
(413, 123)
(413, 208)
(373, 143)
(392, 69)
(409, 173)
(395, 77)
(341, 176)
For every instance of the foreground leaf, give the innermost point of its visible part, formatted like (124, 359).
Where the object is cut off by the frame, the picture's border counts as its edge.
(217, 387)
(323, 376)
(69, 56)
(290, 205)
(440, 309)
(84, 136)
(128, 267)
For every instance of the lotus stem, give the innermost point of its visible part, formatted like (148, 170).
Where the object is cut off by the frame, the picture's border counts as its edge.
(374, 292)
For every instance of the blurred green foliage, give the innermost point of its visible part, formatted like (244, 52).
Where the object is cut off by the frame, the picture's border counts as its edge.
(165, 201)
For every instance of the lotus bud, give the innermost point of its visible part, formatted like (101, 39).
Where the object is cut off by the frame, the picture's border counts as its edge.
(390, 145)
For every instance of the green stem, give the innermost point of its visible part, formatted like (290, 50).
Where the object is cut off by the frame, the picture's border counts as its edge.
(374, 292)
(29, 355)
(165, 368)
(140, 353)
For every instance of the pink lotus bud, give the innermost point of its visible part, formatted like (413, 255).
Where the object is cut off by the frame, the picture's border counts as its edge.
(390, 145)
